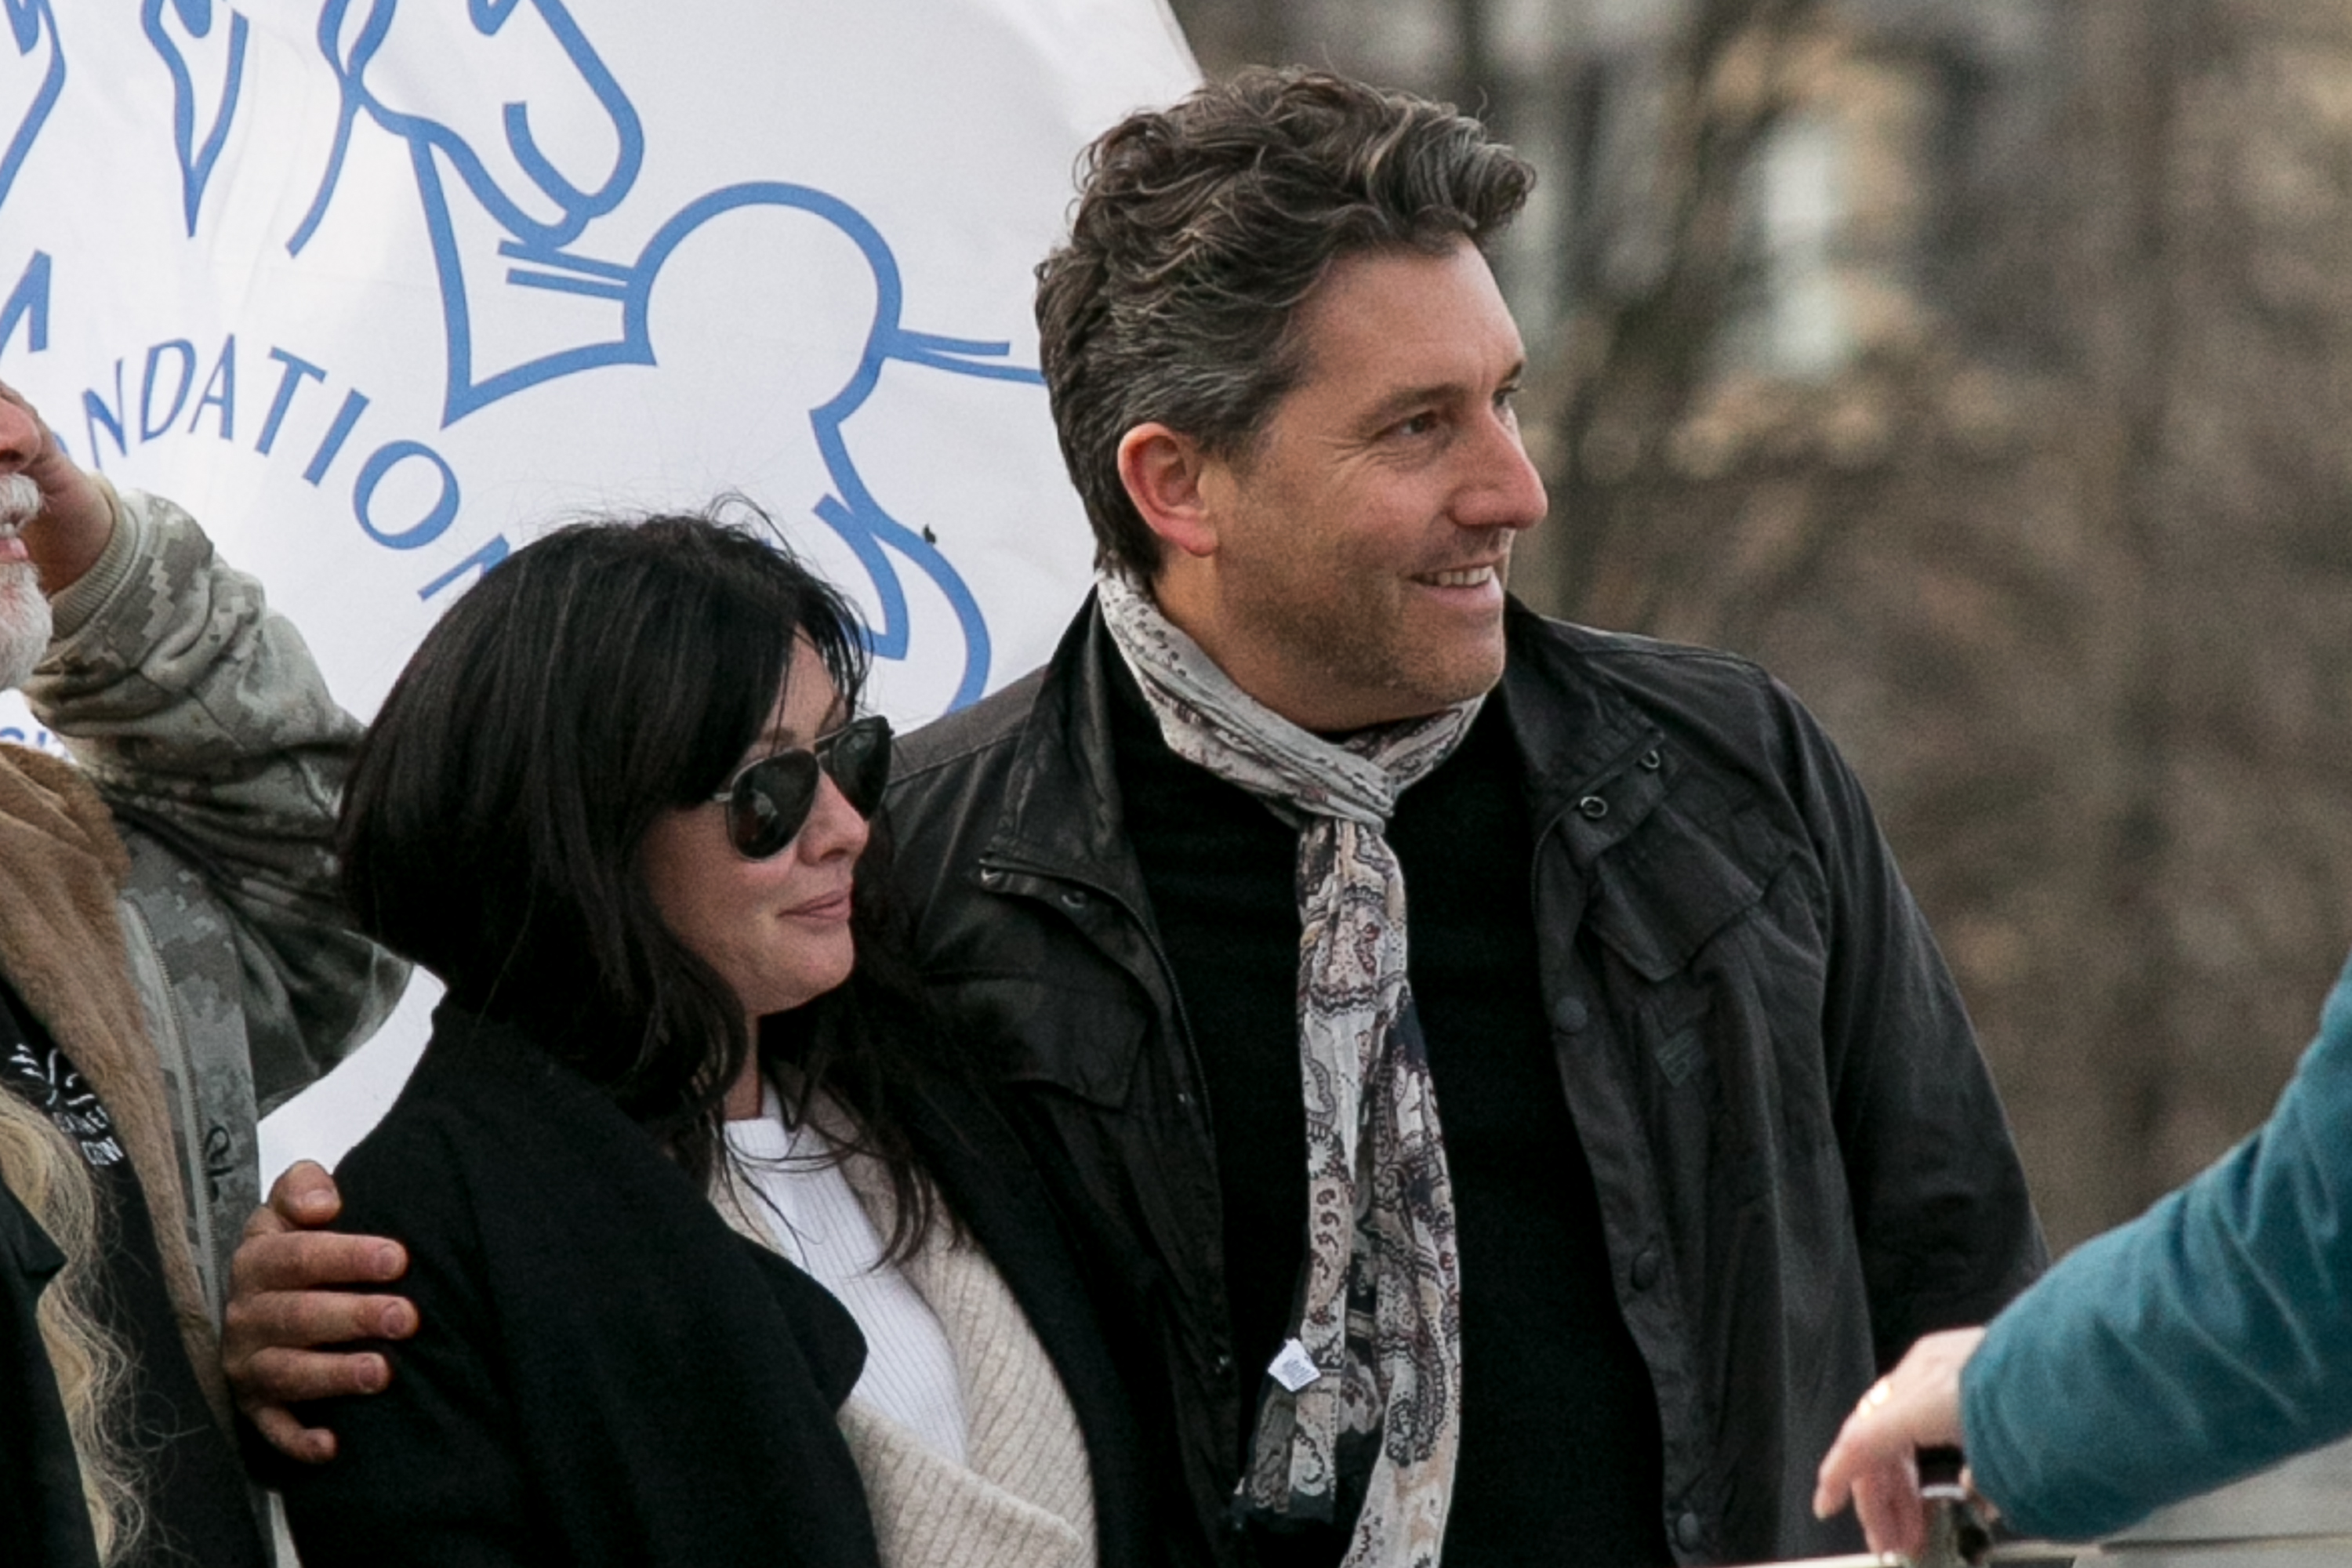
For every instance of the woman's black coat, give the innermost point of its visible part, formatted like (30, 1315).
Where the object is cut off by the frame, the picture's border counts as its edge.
(604, 1373)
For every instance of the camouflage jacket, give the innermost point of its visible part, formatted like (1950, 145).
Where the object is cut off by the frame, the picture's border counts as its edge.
(201, 716)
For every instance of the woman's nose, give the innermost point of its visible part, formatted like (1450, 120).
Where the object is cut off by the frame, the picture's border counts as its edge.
(834, 827)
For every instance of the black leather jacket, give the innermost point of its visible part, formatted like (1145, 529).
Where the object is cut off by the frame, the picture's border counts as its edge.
(1801, 1160)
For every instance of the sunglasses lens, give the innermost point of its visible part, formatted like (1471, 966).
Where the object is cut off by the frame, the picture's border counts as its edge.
(770, 803)
(858, 755)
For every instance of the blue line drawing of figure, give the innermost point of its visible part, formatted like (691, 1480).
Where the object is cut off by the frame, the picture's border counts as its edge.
(545, 213)
(31, 24)
(223, 58)
(548, 213)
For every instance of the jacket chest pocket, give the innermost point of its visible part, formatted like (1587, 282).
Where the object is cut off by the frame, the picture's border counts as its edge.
(1078, 1039)
(1665, 892)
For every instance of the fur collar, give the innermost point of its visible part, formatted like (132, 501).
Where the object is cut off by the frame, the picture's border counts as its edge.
(62, 950)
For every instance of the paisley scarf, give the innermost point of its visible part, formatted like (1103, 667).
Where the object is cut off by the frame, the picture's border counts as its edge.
(1362, 1409)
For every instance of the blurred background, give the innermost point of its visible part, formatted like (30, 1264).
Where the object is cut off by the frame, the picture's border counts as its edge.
(1984, 368)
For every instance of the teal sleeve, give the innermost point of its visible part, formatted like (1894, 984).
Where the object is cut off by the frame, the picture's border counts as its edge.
(2206, 1340)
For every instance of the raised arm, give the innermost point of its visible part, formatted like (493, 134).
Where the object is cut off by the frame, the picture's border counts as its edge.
(200, 715)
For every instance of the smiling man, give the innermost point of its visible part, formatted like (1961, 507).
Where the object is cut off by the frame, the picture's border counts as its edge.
(1495, 1065)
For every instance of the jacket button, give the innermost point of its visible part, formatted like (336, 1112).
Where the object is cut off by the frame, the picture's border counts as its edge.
(1568, 1015)
(1687, 1532)
(1224, 1364)
(1592, 808)
(1645, 1273)
(992, 878)
(1651, 760)
(1074, 898)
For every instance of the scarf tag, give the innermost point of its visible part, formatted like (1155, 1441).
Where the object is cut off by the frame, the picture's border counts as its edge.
(1293, 1367)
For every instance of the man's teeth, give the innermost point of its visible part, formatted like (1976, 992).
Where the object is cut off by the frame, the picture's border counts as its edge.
(1468, 577)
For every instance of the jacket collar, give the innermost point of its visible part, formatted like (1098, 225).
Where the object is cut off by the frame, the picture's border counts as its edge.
(1063, 813)
(1579, 739)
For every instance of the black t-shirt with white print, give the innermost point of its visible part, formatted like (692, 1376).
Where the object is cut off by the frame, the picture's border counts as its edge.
(197, 1507)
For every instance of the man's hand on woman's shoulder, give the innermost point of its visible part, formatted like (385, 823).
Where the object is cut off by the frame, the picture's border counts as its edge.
(294, 1293)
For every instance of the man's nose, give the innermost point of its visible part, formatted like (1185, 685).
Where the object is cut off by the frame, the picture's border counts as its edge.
(1506, 491)
(20, 437)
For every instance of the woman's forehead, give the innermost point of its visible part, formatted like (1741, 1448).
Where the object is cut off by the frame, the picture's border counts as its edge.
(810, 703)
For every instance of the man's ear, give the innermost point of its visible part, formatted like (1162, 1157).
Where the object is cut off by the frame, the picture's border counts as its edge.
(1162, 470)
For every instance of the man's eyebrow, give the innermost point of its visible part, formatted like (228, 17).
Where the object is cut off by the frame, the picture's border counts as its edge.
(1411, 397)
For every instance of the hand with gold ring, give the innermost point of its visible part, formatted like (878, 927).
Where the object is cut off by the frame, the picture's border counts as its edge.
(1874, 1464)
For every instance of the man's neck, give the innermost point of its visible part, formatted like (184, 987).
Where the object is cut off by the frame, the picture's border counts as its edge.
(1187, 599)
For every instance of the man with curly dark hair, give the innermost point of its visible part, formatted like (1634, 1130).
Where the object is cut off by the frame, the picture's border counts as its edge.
(1567, 1232)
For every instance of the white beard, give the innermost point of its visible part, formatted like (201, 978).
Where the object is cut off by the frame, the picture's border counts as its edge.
(24, 622)
(24, 625)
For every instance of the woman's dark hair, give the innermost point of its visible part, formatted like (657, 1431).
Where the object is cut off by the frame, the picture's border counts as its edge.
(492, 824)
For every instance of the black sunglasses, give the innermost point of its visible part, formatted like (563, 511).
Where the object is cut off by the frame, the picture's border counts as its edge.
(768, 802)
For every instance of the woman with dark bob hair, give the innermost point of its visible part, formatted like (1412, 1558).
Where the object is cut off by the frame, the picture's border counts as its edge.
(716, 1259)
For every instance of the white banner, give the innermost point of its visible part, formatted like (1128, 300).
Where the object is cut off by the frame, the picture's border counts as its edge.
(379, 288)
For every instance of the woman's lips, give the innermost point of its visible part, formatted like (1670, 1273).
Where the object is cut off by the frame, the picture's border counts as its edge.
(832, 906)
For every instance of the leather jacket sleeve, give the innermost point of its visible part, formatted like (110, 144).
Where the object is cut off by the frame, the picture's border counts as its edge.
(1944, 1222)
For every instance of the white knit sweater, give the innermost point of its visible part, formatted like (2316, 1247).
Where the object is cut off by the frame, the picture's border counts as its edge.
(1024, 1496)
